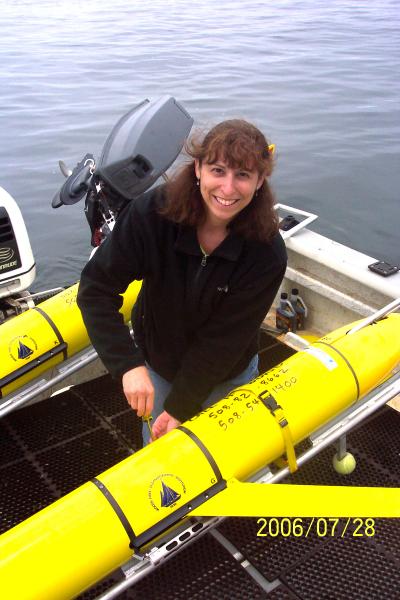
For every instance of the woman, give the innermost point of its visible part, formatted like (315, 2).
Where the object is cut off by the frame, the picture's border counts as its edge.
(207, 247)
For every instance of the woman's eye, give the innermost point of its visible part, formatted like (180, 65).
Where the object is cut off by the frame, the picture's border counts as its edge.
(217, 170)
(244, 175)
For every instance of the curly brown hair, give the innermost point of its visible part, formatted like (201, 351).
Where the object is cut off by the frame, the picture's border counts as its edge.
(239, 144)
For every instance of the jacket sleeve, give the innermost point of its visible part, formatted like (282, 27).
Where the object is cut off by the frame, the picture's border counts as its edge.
(219, 344)
(116, 263)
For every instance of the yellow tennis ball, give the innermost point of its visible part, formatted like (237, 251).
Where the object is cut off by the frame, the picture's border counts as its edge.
(346, 465)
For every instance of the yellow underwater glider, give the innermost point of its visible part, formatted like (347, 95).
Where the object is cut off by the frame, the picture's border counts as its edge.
(45, 336)
(68, 546)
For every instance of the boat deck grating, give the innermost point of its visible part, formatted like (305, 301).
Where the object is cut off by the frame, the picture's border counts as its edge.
(352, 568)
(52, 447)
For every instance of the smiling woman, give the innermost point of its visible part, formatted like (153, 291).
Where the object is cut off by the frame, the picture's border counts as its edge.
(231, 164)
(207, 247)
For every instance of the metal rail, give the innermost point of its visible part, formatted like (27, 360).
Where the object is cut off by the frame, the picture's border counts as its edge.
(389, 308)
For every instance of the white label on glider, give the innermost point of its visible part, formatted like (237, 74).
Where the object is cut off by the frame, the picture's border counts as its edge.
(326, 360)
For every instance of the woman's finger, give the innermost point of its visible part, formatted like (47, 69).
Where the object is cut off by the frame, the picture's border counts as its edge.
(149, 402)
(132, 400)
(141, 404)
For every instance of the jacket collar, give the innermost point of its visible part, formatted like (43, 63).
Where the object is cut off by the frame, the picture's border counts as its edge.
(187, 242)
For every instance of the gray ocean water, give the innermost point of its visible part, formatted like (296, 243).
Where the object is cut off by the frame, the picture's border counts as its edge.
(321, 79)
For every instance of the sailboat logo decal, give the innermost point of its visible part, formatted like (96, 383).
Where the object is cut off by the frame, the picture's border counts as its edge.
(22, 347)
(168, 495)
(24, 351)
(165, 491)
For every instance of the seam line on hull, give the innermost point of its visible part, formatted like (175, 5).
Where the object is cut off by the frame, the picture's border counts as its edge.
(54, 328)
(117, 509)
(204, 450)
(347, 363)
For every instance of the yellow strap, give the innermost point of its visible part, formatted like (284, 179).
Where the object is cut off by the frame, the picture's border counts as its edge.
(287, 438)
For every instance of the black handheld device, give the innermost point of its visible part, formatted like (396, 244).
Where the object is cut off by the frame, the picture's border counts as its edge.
(383, 268)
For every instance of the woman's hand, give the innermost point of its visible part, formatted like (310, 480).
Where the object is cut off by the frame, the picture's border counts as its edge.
(139, 390)
(164, 423)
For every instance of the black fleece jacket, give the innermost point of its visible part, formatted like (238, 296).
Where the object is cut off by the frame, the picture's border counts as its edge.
(196, 320)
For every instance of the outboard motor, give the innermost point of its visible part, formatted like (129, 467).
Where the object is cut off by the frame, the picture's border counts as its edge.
(140, 148)
(17, 265)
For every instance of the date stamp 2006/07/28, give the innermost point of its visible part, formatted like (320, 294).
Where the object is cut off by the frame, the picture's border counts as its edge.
(319, 526)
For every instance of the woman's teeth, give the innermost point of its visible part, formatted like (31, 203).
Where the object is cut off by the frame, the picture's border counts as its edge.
(225, 202)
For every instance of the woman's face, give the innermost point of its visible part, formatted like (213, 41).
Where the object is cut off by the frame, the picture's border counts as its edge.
(226, 191)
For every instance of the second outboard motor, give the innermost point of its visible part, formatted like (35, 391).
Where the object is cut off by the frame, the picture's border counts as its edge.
(17, 264)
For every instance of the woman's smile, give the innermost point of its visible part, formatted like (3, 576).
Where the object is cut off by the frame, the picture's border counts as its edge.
(226, 202)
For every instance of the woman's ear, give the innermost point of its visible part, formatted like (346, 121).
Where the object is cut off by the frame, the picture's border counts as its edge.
(260, 181)
(197, 168)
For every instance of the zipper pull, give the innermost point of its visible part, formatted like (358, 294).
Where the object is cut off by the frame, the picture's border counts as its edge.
(205, 256)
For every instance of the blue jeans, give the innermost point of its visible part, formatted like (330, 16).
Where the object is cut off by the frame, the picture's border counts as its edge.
(162, 387)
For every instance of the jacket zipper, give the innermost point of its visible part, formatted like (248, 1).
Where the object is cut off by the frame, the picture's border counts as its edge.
(203, 263)
(204, 258)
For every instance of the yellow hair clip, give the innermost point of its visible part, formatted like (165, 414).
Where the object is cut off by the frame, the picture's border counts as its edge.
(271, 148)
